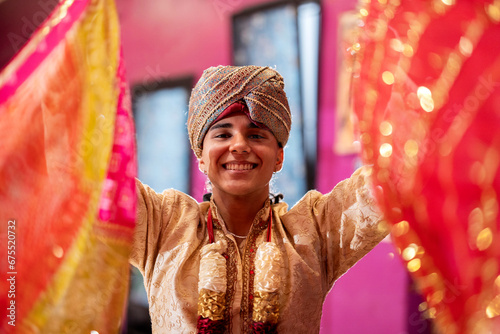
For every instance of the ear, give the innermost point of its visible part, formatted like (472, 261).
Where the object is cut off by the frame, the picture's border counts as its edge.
(201, 166)
(279, 160)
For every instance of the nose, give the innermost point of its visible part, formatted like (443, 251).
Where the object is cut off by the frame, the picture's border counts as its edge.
(239, 144)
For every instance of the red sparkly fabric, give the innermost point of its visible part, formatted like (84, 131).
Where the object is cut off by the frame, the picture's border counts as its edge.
(264, 328)
(207, 326)
(427, 96)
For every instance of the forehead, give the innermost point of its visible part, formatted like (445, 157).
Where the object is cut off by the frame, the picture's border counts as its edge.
(235, 119)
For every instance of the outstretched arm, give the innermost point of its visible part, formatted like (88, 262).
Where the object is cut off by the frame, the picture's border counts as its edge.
(358, 222)
(346, 220)
(150, 219)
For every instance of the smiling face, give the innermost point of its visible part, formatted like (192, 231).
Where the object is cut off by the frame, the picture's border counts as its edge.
(239, 157)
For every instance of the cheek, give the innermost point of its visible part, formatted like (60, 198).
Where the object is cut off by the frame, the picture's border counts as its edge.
(272, 160)
(213, 155)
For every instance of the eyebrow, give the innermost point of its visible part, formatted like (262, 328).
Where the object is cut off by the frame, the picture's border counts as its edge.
(220, 126)
(229, 126)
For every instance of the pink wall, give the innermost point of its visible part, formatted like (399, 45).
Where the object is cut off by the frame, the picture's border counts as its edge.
(171, 38)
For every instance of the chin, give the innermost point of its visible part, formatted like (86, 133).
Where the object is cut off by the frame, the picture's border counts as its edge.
(244, 191)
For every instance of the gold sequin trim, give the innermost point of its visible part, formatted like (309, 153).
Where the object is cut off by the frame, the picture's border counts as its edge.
(265, 307)
(211, 304)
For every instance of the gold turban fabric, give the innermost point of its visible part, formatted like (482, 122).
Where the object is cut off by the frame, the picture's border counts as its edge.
(261, 88)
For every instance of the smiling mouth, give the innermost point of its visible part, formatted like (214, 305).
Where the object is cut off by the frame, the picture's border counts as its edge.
(239, 166)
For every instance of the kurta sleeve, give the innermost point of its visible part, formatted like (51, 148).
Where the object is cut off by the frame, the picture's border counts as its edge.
(346, 221)
(153, 213)
(356, 223)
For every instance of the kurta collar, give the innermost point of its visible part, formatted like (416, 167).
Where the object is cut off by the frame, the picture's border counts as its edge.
(259, 222)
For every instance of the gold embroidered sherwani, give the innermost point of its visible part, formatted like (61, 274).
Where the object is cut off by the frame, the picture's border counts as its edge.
(320, 238)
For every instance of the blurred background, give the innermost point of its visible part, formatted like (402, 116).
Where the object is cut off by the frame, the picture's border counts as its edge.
(167, 44)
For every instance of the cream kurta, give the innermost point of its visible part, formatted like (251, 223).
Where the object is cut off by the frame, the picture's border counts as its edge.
(320, 238)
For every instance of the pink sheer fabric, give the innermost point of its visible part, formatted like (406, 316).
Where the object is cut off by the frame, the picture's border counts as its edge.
(67, 168)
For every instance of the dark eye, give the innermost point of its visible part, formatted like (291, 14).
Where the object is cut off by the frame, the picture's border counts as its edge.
(222, 135)
(256, 136)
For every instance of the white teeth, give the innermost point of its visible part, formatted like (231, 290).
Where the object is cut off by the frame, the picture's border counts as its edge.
(239, 166)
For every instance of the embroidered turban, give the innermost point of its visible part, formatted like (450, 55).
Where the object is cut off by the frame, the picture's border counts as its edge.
(261, 88)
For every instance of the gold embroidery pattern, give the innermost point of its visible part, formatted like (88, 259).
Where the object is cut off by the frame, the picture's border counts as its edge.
(231, 266)
(232, 278)
(248, 271)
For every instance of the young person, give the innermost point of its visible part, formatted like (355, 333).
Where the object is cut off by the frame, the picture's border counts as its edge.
(241, 261)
